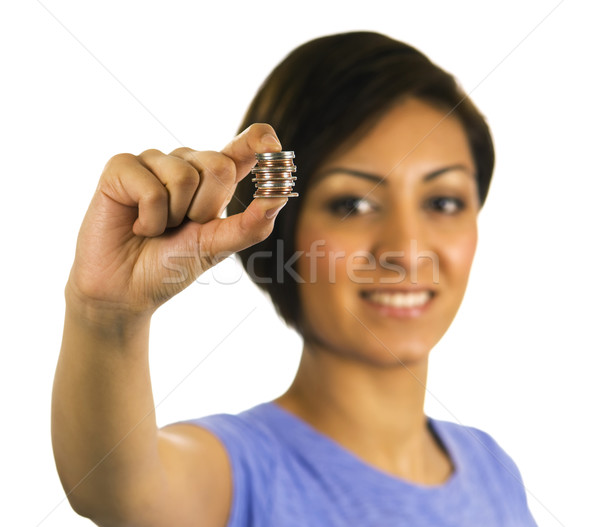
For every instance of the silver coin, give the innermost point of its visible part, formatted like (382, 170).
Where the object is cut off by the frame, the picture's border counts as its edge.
(276, 155)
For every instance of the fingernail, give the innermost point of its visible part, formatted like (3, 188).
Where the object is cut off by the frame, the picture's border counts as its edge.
(271, 213)
(270, 140)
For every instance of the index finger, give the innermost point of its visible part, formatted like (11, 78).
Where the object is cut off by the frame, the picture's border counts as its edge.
(257, 138)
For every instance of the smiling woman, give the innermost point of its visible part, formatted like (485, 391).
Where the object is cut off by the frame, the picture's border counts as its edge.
(410, 218)
(395, 164)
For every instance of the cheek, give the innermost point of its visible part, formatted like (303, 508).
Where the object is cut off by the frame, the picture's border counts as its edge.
(458, 255)
(325, 254)
(327, 289)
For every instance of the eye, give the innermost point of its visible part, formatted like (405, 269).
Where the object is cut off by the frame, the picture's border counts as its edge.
(447, 205)
(350, 205)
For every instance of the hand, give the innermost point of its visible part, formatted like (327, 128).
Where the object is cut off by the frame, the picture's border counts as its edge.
(153, 225)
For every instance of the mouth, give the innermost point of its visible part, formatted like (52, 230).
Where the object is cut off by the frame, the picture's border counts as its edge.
(399, 303)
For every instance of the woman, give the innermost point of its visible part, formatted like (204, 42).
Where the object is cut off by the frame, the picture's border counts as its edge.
(370, 265)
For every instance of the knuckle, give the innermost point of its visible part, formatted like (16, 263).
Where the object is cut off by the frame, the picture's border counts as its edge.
(224, 168)
(155, 195)
(185, 175)
(220, 168)
(151, 152)
(182, 151)
(120, 160)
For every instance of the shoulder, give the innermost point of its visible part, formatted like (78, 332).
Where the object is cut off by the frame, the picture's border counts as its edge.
(485, 466)
(253, 454)
(248, 430)
(473, 446)
(464, 434)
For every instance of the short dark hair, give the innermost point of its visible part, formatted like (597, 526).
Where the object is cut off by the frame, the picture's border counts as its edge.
(323, 96)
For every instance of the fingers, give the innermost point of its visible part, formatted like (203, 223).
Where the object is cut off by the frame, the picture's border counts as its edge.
(199, 185)
(128, 183)
(179, 178)
(220, 172)
(257, 138)
(217, 183)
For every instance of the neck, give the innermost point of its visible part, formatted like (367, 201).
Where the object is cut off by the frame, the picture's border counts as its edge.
(375, 412)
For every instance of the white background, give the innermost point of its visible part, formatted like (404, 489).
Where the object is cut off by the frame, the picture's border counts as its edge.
(82, 81)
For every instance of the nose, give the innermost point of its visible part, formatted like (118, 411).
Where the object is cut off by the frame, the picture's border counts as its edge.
(403, 250)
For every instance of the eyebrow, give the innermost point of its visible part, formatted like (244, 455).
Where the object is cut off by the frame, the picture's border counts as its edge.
(379, 179)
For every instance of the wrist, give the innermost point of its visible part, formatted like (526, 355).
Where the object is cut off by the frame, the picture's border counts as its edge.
(103, 318)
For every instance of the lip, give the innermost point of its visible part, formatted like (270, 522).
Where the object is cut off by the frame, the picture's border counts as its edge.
(398, 312)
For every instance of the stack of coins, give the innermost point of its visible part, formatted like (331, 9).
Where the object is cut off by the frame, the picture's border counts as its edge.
(273, 175)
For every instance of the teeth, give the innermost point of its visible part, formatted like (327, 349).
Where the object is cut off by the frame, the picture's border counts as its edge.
(400, 299)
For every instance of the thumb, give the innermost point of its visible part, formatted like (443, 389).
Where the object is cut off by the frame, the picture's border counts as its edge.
(222, 236)
(247, 228)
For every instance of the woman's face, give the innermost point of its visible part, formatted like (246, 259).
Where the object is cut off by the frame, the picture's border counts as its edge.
(387, 234)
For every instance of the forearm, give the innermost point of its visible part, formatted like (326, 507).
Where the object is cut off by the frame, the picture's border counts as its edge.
(103, 423)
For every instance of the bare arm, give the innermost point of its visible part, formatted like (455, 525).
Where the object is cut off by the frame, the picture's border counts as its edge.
(116, 466)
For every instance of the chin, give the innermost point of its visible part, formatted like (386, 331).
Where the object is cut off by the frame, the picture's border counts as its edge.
(378, 354)
(398, 356)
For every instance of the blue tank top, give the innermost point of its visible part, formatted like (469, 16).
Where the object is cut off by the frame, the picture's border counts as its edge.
(287, 474)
